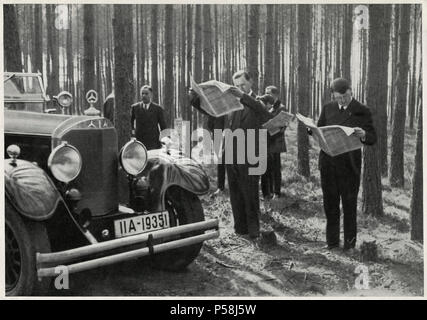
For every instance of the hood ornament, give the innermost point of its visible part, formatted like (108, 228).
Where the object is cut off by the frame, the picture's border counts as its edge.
(92, 98)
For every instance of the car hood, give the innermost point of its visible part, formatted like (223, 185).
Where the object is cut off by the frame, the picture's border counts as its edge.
(33, 123)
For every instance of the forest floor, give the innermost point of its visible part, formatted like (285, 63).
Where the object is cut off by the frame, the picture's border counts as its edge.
(297, 264)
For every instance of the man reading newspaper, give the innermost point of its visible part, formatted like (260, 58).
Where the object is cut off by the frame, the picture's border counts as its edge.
(340, 175)
(244, 187)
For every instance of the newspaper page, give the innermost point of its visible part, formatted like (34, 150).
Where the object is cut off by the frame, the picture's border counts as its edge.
(333, 140)
(215, 98)
(281, 120)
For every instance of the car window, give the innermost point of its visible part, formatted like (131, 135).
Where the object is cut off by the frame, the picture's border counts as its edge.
(22, 88)
(24, 106)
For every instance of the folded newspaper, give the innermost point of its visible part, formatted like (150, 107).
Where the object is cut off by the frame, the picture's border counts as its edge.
(275, 124)
(333, 140)
(215, 97)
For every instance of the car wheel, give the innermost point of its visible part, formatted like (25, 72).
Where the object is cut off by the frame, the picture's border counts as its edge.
(184, 207)
(23, 238)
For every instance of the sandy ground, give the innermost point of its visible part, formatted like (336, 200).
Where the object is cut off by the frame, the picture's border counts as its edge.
(296, 264)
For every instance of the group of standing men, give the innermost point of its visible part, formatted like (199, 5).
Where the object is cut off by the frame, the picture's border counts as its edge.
(340, 175)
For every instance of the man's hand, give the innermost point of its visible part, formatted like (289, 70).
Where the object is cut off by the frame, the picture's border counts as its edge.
(360, 133)
(236, 92)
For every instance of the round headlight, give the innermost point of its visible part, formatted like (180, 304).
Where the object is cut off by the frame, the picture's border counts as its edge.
(65, 162)
(133, 157)
(65, 99)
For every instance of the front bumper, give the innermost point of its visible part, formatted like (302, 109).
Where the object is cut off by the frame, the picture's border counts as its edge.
(47, 263)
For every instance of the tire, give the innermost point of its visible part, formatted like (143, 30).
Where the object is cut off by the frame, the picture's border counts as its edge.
(184, 207)
(23, 238)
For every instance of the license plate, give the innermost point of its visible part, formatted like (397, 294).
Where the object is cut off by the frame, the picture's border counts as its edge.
(140, 224)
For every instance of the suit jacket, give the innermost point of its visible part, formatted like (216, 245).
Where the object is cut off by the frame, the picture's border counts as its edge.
(109, 108)
(277, 142)
(147, 124)
(252, 116)
(355, 115)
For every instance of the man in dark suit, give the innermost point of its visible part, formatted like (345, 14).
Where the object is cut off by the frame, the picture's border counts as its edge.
(244, 188)
(276, 145)
(218, 123)
(109, 107)
(340, 175)
(147, 120)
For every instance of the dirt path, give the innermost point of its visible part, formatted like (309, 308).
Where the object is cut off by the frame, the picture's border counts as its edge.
(233, 266)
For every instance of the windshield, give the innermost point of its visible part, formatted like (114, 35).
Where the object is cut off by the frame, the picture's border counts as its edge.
(20, 88)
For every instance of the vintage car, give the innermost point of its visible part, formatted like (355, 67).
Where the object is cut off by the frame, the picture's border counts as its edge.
(62, 188)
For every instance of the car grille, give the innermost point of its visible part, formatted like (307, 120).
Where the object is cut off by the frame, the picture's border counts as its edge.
(97, 180)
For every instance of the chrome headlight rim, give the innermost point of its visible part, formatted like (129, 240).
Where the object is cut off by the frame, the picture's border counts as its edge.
(50, 161)
(123, 161)
(62, 94)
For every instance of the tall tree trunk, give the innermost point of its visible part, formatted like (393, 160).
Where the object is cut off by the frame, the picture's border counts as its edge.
(197, 57)
(376, 99)
(347, 38)
(70, 58)
(154, 53)
(413, 87)
(53, 49)
(417, 185)
(268, 47)
(183, 66)
(303, 84)
(198, 49)
(189, 55)
(189, 42)
(395, 47)
(11, 47)
(398, 130)
(123, 71)
(253, 44)
(207, 43)
(37, 60)
(89, 48)
(168, 100)
(338, 39)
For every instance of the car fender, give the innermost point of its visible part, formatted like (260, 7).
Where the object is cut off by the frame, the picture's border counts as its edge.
(30, 190)
(164, 170)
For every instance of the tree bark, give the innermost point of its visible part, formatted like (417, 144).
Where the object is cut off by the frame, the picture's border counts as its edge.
(89, 48)
(417, 185)
(168, 101)
(413, 87)
(347, 39)
(154, 53)
(376, 99)
(303, 84)
(123, 71)
(37, 60)
(268, 47)
(398, 129)
(11, 47)
(53, 51)
(207, 43)
(253, 36)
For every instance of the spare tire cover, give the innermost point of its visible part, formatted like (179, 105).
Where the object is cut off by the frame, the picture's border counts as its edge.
(30, 190)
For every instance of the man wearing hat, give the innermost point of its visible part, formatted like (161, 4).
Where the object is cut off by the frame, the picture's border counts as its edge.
(340, 175)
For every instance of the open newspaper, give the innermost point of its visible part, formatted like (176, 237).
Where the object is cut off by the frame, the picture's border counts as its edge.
(333, 140)
(215, 97)
(275, 124)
